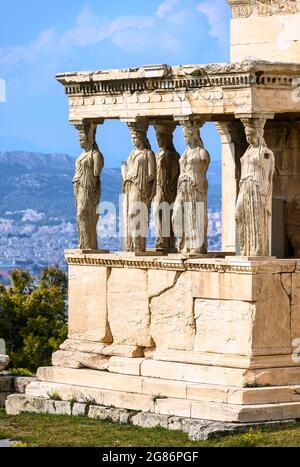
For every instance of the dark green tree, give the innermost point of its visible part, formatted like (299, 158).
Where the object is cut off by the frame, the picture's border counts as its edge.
(33, 317)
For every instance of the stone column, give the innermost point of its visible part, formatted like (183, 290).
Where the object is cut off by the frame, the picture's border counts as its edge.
(167, 173)
(139, 186)
(233, 147)
(190, 217)
(87, 186)
(254, 204)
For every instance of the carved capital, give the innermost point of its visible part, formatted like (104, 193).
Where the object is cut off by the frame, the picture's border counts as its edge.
(87, 122)
(188, 120)
(164, 126)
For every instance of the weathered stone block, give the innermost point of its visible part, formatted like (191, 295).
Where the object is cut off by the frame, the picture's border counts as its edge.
(163, 370)
(178, 407)
(130, 351)
(146, 420)
(78, 409)
(165, 388)
(172, 315)
(207, 393)
(103, 413)
(126, 366)
(128, 307)
(160, 280)
(66, 392)
(271, 333)
(91, 378)
(18, 403)
(222, 286)
(62, 408)
(224, 326)
(87, 304)
(127, 400)
(74, 359)
(21, 383)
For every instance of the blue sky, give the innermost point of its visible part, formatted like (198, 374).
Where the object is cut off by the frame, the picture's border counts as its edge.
(39, 39)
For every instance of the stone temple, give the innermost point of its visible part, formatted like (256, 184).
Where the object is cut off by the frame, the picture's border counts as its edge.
(177, 331)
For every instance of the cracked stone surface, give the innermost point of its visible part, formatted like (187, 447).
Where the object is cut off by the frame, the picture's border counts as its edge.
(128, 307)
(172, 315)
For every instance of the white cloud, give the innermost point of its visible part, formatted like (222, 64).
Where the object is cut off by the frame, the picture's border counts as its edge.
(91, 29)
(166, 7)
(130, 33)
(215, 11)
(28, 53)
(165, 29)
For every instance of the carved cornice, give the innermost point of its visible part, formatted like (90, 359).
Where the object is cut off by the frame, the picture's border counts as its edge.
(117, 83)
(125, 263)
(180, 265)
(245, 8)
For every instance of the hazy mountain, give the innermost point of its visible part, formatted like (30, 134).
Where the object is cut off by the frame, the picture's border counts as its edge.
(43, 182)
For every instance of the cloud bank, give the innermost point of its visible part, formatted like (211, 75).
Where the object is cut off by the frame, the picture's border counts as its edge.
(167, 28)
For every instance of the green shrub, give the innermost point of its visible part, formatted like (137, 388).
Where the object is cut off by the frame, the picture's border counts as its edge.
(33, 318)
(20, 372)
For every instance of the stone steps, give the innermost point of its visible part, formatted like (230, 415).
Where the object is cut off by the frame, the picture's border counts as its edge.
(157, 387)
(217, 375)
(165, 406)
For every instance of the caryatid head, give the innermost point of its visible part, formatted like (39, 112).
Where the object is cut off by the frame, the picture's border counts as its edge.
(87, 135)
(138, 131)
(254, 130)
(164, 135)
(191, 133)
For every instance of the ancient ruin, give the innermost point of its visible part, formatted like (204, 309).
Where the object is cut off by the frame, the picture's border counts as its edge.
(185, 332)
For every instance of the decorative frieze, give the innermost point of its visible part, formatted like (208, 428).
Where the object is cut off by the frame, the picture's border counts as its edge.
(179, 78)
(245, 8)
(181, 264)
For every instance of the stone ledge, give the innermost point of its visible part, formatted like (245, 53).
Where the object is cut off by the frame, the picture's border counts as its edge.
(179, 262)
(196, 429)
(12, 384)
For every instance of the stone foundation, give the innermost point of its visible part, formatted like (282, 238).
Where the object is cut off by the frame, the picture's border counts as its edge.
(12, 384)
(196, 429)
(170, 336)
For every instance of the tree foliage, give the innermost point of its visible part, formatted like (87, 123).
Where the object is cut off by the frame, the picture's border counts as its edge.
(33, 317)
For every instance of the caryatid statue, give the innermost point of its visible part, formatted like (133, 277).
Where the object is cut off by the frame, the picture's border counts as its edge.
(190, 219)
(167, 173)
(254, 204)
(87, 187)
(139, 186)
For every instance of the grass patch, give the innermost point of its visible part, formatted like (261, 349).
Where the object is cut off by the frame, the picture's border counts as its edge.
(54, 396)
(59, 430)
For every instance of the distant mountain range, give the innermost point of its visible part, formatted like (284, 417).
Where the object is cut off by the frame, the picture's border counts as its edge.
(43, 182)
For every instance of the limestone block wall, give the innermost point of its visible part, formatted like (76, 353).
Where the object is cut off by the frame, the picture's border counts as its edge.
(213, 339)
(275, 38)
(184, 305)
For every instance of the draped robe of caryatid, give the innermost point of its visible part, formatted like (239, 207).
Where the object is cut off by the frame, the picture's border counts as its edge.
(87, 189)
(139, 187)
(190, 221)
(254, 204)
(167, 170)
